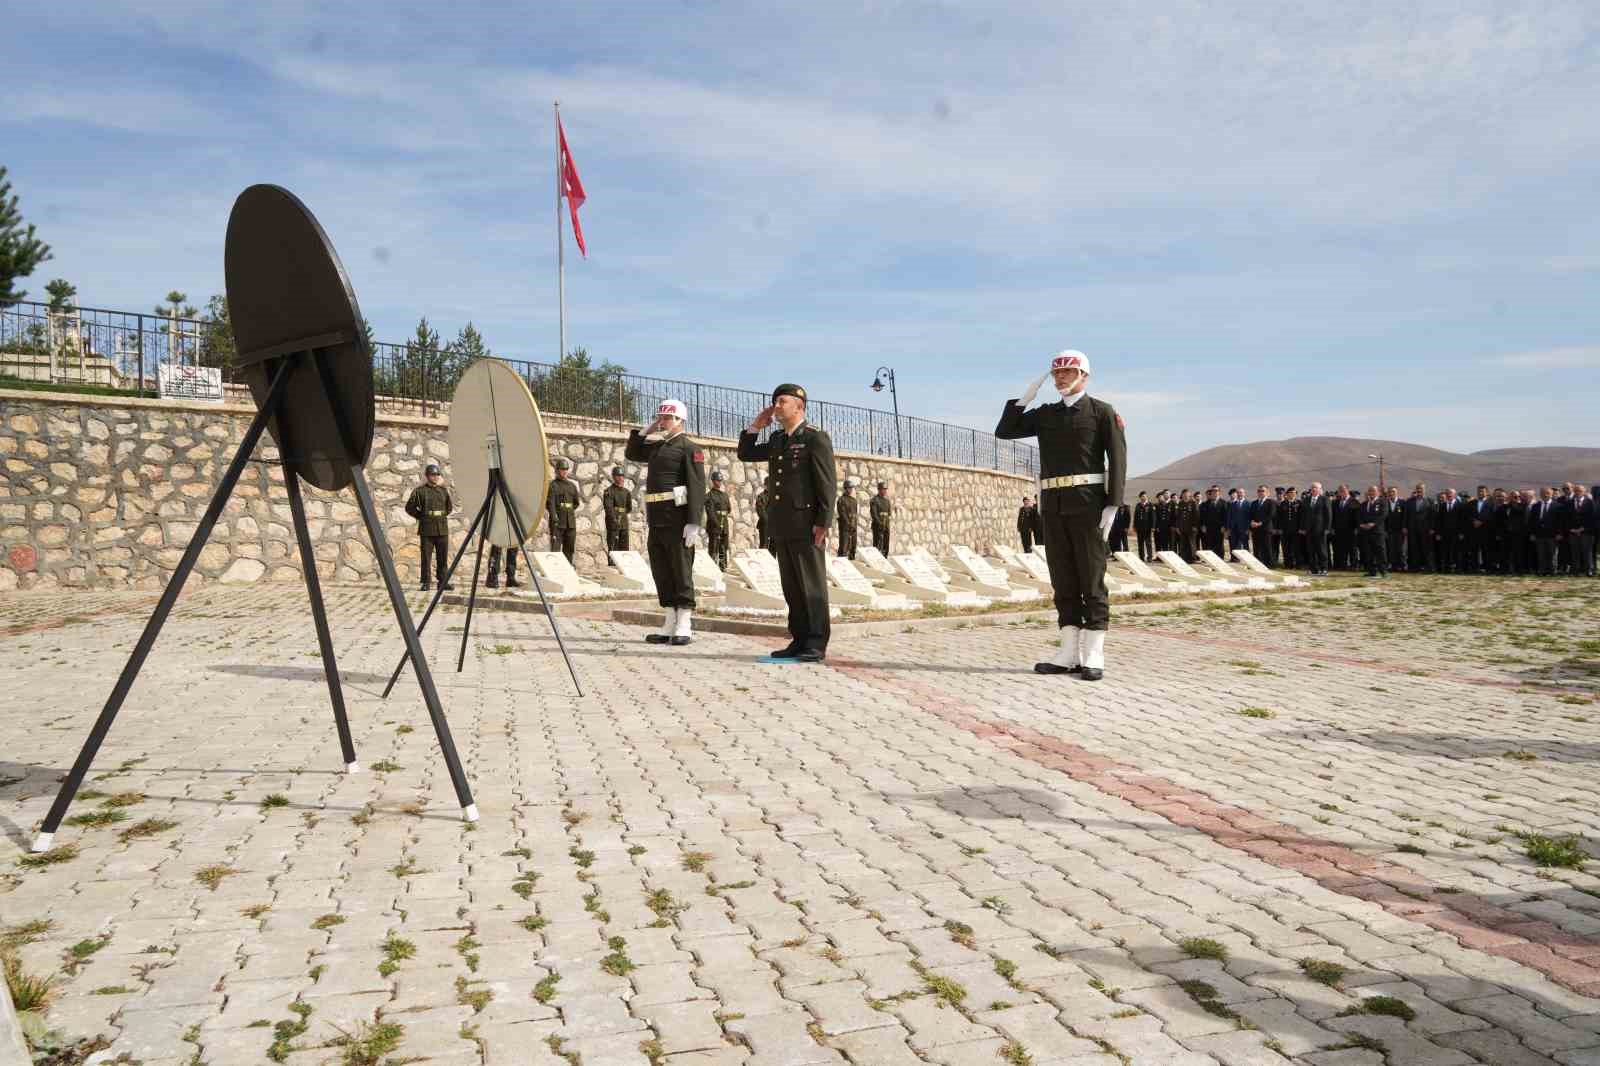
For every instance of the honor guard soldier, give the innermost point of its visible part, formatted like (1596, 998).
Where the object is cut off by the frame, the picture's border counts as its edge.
(1144, 526)
(719, 520)
(800, 480)
(617, 501)
(562, 507)
(430, 505)
(849, 519)
(1083, 459)
(674, 501)
(882, 512)
(1027, 523)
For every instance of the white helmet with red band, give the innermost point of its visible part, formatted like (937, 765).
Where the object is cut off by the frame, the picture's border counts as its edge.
(1070, 359)
(675, 408)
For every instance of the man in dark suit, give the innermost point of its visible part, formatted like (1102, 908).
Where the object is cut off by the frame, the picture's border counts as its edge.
(1263, 513)
(1589, 516)
(1396, 529)
(1419, 530)
(1373, 527)
(1144, 526)
(1163, 513)
(1185, 520)
(1346, 515)
(1449, 534)
(1212, 520)
(1512, 515)
(1479, 541)
(1316, 518)
(801, 481)
(1027, 522)
(1238, 521)
(1544, 525)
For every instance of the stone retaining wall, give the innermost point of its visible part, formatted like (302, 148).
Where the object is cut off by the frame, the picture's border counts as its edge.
(106, 493)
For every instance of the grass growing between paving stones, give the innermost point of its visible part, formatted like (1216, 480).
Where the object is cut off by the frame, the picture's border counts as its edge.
(1565, 852)
(1203, 947)
(275, 799)
(284, 1032)
(533, 922)
(395, 951)
(96, 819)
(386, 766)
(255, 910)
(961, 933)
(1257, 712)
(545, 990)
(370, 1042)
(1323, 972)
(1015, 1054)
(617, 964)
(468, 995)
(1206, 998)
(665, 907)
(328, 921)
(1388, 1006)
(523, 885)
(695, 861)
(213, 876)
(30, 993)
(56, 855)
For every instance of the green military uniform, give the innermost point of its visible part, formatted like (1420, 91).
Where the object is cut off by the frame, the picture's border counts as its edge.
(618, 505)
(761, 521)
(1186, 517)
(676, 462)
(431, 505)
(801, 481)
(882, 512)
(719, 523)
(849, 517)
(561, 505)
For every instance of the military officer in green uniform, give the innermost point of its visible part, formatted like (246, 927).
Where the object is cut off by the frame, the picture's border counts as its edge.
(617, 502)
(849, 516)
(719, 521)
(1083, 466)
(674, 502)
(430, 505)
(801, 480)
(561, 505)
(882, 513)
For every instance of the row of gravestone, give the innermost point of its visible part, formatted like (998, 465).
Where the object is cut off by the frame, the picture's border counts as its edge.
(909, 581)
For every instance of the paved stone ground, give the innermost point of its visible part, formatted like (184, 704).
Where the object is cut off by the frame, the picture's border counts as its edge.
(920, 852)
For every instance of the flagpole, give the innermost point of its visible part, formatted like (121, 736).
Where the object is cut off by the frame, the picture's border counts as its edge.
(561, 254)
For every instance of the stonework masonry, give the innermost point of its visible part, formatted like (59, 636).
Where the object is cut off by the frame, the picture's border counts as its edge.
(106, 493)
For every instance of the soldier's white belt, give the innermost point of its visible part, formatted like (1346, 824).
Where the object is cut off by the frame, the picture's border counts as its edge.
(435, 514)
(1072, 480)
(661, 497)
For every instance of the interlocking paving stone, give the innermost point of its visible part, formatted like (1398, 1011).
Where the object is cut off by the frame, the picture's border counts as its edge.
(1081, 832)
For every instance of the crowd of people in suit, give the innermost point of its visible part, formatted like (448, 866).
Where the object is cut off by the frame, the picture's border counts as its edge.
(1548, 531)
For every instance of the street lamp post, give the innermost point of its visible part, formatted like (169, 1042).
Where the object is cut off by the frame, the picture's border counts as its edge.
(885, 375)
(1382, 488)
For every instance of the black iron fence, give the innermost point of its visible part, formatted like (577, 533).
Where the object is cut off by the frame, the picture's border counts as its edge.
(122, 351)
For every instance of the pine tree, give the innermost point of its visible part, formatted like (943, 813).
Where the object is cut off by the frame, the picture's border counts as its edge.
(61, 291)
(217, 347)
(20, 250)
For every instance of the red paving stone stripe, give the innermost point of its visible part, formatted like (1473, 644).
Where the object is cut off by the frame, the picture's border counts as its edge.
(1370, 664)
(1567, 958)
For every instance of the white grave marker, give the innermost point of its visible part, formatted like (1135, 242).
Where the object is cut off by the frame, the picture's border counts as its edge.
(1136, 566)
(560, 579)
(1215, 563)
(874, 559)
(1175, 562)
(632, 574)
(762, 586)
(1261, 569)
(973, 571)
(921, 583)
(856, 591)
(934, 565)
(707, 578)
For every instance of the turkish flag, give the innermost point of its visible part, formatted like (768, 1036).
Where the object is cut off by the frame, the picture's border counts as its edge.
(571, 187)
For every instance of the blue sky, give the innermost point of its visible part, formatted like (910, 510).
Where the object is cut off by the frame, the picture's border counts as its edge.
(1356, 219)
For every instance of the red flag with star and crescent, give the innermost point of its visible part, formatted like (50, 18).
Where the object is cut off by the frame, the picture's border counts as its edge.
(571, 187)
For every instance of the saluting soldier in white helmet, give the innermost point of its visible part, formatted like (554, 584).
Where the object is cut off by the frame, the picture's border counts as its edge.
(674, 503)
(1083, 465)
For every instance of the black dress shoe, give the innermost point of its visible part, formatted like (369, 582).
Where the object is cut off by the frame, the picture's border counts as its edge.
(513, 583)
(492, 583)
(678, 642)
(448, 588)
(656, 638)
(427, 588)
(811, 655)
(790, 652)
(1051, 668)
(1090, 673)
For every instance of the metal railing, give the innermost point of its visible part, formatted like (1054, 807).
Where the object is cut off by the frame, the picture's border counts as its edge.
(122, 350)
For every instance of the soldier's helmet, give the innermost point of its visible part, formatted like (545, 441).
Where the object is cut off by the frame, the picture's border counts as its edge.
(1070, 359)
(561, 464)
(616, 471)
(716, 475)
(432, 468)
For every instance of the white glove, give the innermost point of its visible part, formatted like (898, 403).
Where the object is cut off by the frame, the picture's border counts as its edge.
(691, 534)
(1107, 516)
(1032, 390)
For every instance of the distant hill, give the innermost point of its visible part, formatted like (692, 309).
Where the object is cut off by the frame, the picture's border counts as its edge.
(1330, 460)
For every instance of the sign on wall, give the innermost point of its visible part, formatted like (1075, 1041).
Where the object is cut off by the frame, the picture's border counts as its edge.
(190, 382)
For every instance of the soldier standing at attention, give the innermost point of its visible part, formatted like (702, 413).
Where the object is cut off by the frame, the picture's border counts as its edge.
(849, 519)
(719, 512)
(1027, 522)
(618, 504)
(430, 505)
(801, 478)
(1083, 465)
(562, 507)
(761, 519)
(674, 501)
(882, 512)
(1144, 524)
